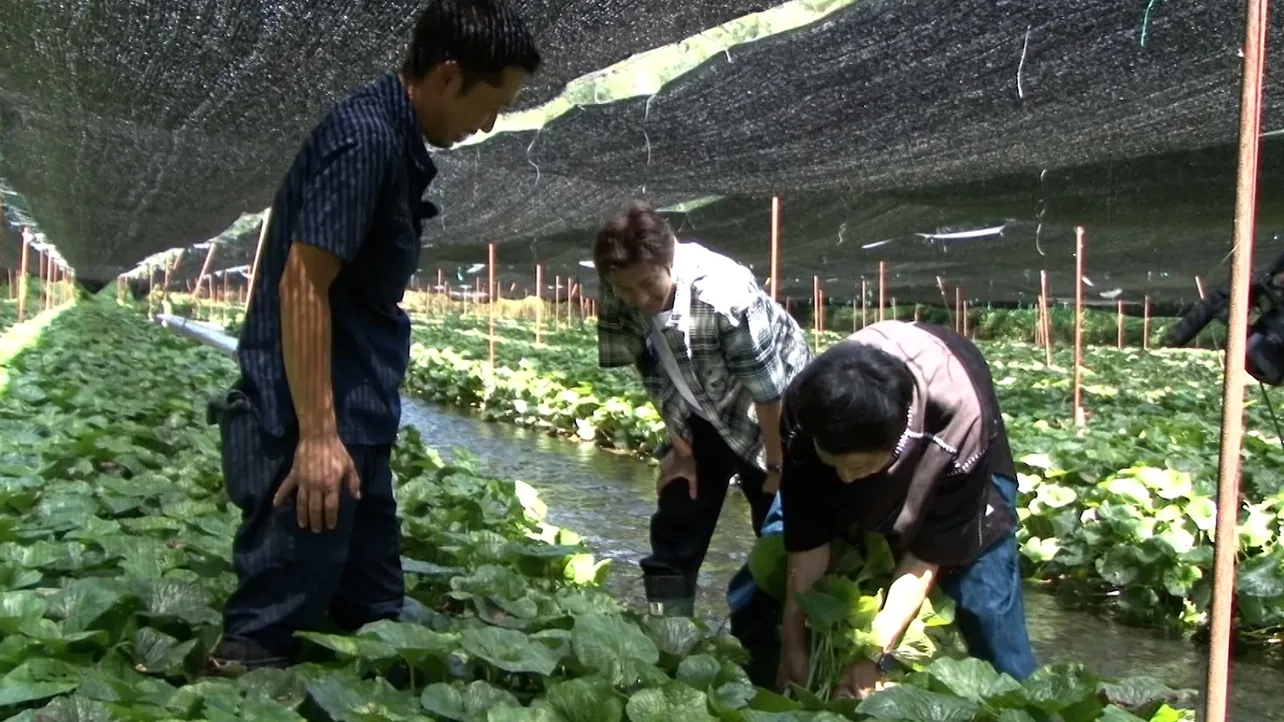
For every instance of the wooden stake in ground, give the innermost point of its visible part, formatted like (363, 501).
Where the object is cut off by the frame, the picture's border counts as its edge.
(44, 281)
(945, 300)
(1046, 300)
(47, 290)
(1145, 324)
(1078, 325)
(959, 323)
(151, 291)
(205, 270)
(171, 265)
(490, 297)
(882, 287)
(864, 303)
(1119, 342)
(539, 303)
(22, 275)
(1199, 286)
(775, 246)
(1038, 321)
(51, 280)
(1226, 541)
(578, 290)
(815, 305)
(258, 257)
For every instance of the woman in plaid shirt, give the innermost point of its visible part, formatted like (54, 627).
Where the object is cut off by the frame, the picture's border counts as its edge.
(715, 353)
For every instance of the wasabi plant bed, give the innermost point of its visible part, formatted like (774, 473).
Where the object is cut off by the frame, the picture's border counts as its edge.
(115, 556)
(1143, 471)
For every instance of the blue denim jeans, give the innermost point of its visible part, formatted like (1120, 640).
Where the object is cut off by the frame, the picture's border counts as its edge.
(990, 612)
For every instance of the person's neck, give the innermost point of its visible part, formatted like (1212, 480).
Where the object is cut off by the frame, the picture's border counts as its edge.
(412, 96)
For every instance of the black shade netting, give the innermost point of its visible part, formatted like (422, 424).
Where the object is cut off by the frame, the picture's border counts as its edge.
(889, 96)
(484, 199)
(132, 127)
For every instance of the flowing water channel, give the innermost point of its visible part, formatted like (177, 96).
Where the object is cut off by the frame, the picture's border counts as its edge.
(608, 498)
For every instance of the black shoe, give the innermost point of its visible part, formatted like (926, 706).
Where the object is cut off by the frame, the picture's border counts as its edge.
(235, 655)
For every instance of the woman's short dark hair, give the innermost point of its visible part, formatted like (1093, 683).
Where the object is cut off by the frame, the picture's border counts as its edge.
(854, 398)
(632, 235)
(484, 36)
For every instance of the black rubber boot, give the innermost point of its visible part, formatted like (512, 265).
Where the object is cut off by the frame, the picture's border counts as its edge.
(670, 595)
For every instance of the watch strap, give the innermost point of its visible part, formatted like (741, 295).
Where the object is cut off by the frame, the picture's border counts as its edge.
(885, 662)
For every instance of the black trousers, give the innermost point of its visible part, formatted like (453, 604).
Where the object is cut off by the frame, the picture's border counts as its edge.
(288, 578)
(682, 527)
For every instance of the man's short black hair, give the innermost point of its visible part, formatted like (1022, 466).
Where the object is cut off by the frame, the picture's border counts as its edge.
(484, 36)
(854, 398)
(634, 234)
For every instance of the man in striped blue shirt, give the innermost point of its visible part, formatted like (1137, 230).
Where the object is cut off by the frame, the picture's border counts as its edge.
(308, 428)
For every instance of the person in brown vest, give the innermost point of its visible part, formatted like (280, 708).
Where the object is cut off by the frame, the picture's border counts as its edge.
(897, 430)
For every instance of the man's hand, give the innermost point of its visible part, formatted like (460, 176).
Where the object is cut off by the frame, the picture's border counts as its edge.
(772, 484)
(677, 465)
(322, 468)
(860, 679)
(793, 668)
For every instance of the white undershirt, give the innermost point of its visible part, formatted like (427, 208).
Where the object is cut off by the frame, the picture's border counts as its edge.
(670, 363)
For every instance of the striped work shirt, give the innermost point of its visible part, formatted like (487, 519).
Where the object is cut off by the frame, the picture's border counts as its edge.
(355, 190)
(733, 345)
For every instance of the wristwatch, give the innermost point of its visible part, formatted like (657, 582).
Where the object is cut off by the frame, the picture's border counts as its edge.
(884, 661)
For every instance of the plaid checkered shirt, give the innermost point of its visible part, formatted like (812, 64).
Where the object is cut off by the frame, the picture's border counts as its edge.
(734, 345)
